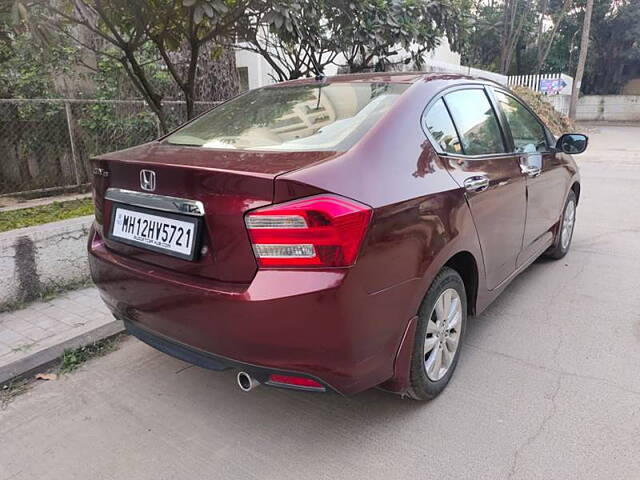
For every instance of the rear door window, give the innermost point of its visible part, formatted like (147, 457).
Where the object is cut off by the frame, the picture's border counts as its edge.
(439, 124)
(476, 122)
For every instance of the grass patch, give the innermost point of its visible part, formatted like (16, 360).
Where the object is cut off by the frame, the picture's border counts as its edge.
(28, 217)
(70, 360)
(74, 358)
(12, 389)
(48, 292)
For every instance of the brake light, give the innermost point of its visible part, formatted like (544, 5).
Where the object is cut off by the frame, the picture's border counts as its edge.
(320, 231)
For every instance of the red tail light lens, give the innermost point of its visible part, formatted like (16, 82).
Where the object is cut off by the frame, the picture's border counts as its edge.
(320, 231)
(295, 381)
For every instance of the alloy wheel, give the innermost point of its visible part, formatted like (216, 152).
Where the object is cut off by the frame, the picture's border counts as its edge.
(443, 334)
(568, 221)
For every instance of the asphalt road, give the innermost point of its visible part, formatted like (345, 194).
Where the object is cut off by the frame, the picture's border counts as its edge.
(548, 386)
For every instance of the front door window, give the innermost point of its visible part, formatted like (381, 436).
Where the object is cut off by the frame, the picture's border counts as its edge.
(528, 135)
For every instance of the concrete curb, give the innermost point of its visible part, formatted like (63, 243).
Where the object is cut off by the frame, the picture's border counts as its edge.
(41, 359)
(42, 258)
(38, 202)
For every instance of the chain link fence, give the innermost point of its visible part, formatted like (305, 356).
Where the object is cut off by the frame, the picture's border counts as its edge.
(45, 144)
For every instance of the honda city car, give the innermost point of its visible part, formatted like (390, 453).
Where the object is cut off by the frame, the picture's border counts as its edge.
(332, 233)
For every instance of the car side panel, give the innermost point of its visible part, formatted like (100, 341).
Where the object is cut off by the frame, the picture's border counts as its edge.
(499, 212)
(420, 212)
(545, 196)
(421, 218)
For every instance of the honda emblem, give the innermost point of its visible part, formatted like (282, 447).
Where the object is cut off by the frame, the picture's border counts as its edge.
(148, 180)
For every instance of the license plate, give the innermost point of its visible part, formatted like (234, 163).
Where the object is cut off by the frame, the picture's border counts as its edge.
(163, 232)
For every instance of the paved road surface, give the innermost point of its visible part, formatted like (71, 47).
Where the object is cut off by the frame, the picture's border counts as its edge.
(548, 387)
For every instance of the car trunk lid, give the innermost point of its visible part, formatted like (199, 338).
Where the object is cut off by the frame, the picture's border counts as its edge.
(227, 183)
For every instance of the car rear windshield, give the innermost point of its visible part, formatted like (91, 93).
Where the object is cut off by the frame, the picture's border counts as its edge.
(319, 116)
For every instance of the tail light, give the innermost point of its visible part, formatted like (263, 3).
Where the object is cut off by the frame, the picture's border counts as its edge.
(320, 231)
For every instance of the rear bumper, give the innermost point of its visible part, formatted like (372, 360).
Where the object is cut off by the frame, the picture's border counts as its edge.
(207, 360)
(320, 324)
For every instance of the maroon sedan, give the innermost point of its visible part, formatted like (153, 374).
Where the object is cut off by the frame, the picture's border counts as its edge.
(332, 234)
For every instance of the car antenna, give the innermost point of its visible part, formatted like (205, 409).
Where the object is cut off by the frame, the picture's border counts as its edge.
(320, 77)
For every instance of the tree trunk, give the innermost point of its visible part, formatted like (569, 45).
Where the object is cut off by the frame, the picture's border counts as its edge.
(190, 86)
(543, 13)
(508, 19)
(582, 59)
(511, 32)
(217, 77)
(543, 52)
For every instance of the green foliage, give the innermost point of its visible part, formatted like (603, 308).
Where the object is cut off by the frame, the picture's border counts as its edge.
(108, 127)
(48, 292)
(614, 51)
(293, 36)
(27, 70)
(53, 212)
(614, 48)
(72, 359)
(304, 36)
(10, 390)
(372, 31)
(482, 49)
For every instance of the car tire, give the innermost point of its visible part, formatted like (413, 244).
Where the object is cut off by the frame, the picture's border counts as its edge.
(439, 334)
(565, 228)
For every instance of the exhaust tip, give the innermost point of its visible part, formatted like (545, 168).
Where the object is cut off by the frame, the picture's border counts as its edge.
(246, 382)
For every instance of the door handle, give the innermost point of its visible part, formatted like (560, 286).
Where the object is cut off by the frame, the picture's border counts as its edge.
(530, 171)
(476, 184)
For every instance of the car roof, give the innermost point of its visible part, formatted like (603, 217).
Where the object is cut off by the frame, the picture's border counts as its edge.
(387, 77)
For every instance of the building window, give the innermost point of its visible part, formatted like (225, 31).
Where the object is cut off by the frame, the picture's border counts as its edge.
(243, 75)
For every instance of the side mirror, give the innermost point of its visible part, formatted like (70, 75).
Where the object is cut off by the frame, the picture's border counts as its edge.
(572, 143)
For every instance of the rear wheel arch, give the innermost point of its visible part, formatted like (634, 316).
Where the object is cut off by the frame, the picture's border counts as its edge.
(464, 263)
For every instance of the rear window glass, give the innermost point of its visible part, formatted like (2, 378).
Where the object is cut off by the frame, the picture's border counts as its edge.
(303, 117)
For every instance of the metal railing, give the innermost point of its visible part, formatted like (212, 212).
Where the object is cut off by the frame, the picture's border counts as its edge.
(533, 81)
(45, 144)
(560, 99)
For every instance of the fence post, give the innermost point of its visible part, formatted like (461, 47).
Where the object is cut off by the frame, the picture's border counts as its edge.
(67, 110)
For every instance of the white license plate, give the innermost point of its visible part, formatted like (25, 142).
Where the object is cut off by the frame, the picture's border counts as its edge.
(162, 232)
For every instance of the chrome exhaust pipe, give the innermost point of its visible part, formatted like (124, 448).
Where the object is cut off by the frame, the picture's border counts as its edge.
(246, 382)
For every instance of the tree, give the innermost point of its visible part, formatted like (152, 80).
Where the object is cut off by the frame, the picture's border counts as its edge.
(27, 70)
(514, 18)
(482, 47)
(522, 30)
(542, 48)
(301, 37)
(501, 31)
(188, 27)
(295, 38)
(584, 47)
(372, 31)
(614, 49)
(117, 34)
(179, 32)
